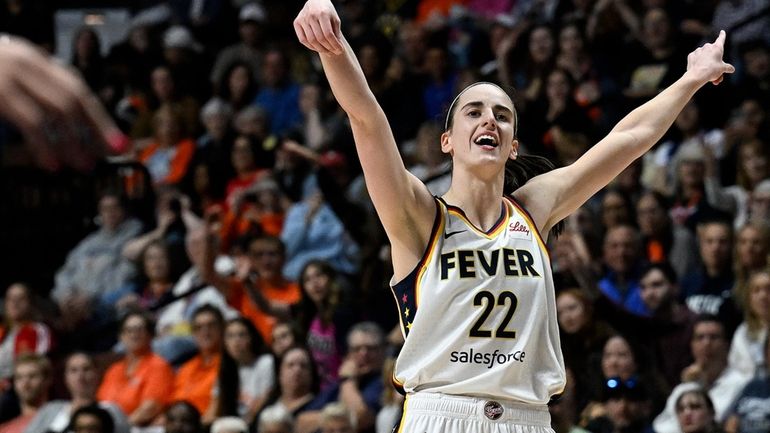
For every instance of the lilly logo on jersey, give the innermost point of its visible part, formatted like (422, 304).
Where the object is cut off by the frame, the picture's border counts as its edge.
(517, 227)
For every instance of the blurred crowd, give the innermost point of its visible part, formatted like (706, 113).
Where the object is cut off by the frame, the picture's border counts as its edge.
(237, 278)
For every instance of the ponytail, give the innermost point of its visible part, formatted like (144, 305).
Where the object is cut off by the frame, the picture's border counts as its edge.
(520, 170)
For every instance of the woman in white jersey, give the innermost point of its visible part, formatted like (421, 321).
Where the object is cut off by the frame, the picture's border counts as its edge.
(472, 278)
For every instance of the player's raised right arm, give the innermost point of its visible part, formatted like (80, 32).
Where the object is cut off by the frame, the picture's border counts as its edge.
(403, 203)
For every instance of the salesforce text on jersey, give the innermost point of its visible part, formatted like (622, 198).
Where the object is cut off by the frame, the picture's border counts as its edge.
(488, 359)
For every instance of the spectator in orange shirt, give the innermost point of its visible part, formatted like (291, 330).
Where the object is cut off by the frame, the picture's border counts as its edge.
(196, 379)
(140, 383)
(169, 155)
(262, 294)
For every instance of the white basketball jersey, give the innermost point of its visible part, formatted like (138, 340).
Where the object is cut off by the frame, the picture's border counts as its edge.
(479, 312)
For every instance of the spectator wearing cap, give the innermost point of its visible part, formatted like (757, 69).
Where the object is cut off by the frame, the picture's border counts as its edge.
(183, 55)
(249, 50)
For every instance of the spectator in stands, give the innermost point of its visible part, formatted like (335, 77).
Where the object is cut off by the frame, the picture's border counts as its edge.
(91, 419)
(753, 168)
(196, 379)
(216, 116)
(324, 316)
(87, 58)
(628, 406)
(709, 346)
(165, 91)
(140, 383)
(279, 94)
(263, 293)
(746, 350)
(622, 259)
(695, 412)
(95, 265)
(708, 290)
(687, 132)
(251, 23)
(248, 169)
(82, 380)
(558, 127)
(360, 384)
(616, 209)
(21, 331)
(285, 335)
(759, 207)
(431, 164)
(752, 254)
(755, 57)
(441, 81)
(183, 54)
(238, 85)
(174, 341)
(750, 412)
(182, 417)
(159, 271)
(168, 156)
(31, 381)
(654, 65)
(688, 193)
(312, 230)
(659, 293)
(583, 334)
(247, 371)
(297, 383)
(663, 240)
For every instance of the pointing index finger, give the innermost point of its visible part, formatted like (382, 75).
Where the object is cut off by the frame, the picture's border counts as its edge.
(721, 38)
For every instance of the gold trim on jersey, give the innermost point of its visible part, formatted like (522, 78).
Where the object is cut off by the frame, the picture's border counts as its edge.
(434, 240)
(528, 218)
(492, 232)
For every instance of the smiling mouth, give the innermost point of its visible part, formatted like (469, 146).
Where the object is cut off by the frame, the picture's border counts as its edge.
(486, 140)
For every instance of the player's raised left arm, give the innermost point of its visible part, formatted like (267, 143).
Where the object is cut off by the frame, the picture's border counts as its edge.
(554, 195)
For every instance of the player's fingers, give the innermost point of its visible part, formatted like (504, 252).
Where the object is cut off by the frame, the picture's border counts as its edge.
(721, 38)
(318, 34)
(330, 34)
(729, 69)
(302, 36)
(27, 117)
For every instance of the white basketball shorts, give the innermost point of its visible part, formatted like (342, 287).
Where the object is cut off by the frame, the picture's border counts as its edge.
(440, 413)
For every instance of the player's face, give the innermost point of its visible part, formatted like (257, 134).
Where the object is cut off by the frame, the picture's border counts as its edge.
(482, 128)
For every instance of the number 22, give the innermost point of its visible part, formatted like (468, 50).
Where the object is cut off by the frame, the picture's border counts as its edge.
(487, 299)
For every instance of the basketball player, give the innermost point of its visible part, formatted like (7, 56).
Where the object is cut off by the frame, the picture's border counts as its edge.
(471, 273)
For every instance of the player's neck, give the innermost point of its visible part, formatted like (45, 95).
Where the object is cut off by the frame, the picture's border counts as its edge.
(480, 200)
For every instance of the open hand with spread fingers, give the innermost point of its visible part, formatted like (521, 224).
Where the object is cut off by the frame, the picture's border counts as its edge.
(318, 27)
(706, 64)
